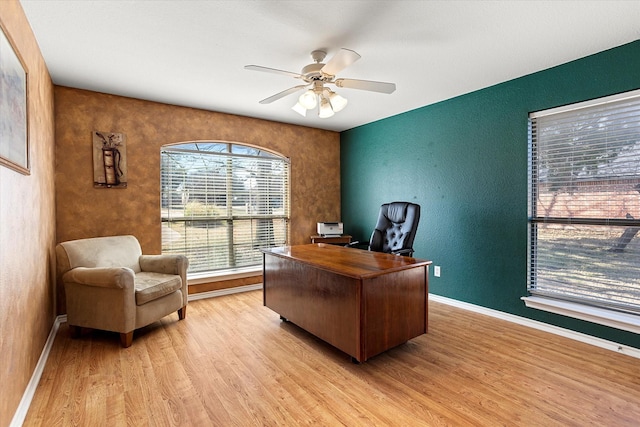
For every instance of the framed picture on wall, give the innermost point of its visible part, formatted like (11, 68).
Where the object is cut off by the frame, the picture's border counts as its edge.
(14, 135)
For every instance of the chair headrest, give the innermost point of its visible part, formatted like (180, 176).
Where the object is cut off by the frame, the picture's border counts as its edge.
(397, 212)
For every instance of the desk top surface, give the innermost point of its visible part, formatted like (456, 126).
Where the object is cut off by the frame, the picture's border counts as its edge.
(351, 262)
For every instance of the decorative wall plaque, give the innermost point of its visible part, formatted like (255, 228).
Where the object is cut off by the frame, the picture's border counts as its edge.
(109, 160)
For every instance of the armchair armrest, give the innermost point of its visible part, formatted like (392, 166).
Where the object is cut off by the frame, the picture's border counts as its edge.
(166, 264)
(103, 277)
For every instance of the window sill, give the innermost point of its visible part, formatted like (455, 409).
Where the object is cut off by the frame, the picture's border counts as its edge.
(218, 276)
(601, 316)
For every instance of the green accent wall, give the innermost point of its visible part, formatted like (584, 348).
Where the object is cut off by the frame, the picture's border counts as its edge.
(464, 160)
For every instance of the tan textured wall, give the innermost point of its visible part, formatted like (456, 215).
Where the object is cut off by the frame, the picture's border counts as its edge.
(27, 229)
(84, 211)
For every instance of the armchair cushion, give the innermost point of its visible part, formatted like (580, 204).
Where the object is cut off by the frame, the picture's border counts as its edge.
(150, 286)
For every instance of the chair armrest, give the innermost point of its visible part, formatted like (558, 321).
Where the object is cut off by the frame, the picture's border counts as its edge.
(103, 277)
(356, 244)
(405, 252)
(166, 264)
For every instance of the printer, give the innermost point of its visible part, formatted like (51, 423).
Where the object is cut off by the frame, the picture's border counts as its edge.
(330, 229)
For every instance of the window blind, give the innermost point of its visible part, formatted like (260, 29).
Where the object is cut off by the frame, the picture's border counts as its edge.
(222, 203)
(584, 203)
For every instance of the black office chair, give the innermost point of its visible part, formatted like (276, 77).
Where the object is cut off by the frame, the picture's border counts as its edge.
(396, 229)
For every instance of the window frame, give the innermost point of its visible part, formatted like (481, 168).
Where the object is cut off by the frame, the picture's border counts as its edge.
(598, 312)
(229, 155)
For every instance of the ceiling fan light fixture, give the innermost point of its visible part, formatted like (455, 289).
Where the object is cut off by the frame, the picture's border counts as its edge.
(325, 111)
(318, 74)
(337, 102)
(298, 108)
(308, 99)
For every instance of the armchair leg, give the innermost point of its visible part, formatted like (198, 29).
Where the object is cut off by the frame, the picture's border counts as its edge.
(126, 339)
(182, 313)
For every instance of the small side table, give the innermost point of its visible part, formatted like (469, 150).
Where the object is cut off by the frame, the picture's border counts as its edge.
(344, 239)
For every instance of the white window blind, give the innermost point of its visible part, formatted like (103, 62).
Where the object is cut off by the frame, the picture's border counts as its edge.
(584, 203)
(222, 203)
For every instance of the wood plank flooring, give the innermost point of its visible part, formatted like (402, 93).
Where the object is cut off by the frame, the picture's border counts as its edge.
(232, 362)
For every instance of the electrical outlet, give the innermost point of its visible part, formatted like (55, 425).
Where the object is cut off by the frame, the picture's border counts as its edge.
(436, 270)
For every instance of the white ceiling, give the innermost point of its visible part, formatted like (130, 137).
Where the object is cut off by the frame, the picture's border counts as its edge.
(192, 53)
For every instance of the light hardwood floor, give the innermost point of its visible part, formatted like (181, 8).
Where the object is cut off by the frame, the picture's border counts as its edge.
(232, 362)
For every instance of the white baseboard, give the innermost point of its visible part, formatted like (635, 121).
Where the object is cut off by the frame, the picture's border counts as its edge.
(556, 330)
(228, 291)
(27, 396)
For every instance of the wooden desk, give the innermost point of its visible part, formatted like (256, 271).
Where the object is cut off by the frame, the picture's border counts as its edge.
(361, 302)
(344, 239)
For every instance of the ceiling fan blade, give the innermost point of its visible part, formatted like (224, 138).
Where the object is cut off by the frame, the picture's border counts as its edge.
(340, 61)
(369, 85)
(272, 70)
(282, 94)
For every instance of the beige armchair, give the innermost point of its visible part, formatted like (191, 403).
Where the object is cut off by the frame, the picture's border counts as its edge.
(111, 286)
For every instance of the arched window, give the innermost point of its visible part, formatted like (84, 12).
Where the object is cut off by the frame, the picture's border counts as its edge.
(222, 202)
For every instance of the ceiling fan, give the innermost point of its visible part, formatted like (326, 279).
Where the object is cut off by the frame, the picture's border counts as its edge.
(316, 76)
